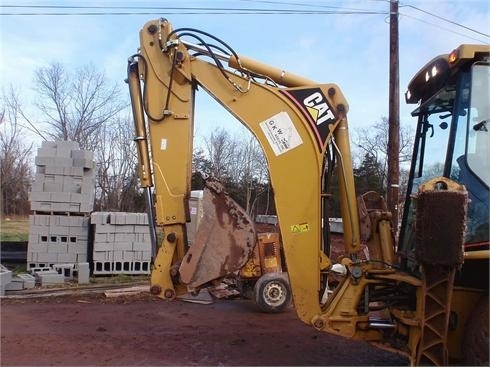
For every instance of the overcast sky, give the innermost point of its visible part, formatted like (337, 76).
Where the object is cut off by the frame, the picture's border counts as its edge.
(350, 49)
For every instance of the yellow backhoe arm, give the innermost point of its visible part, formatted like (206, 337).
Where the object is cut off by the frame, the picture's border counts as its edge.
(293, 118)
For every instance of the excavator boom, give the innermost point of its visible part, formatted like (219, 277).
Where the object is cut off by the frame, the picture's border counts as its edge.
(399, 302)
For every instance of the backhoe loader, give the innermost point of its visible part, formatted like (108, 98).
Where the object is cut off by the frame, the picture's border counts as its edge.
(421, 296)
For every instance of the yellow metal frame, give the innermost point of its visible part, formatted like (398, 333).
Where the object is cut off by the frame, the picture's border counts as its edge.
(171, 75)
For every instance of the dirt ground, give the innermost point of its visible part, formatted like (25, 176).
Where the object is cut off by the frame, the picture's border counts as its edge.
(140, 330)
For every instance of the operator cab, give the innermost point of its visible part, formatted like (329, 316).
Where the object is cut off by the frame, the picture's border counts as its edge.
(452, 140)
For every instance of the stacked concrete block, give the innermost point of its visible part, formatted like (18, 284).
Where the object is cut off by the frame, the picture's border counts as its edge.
(196, 212)
(60, 240)
(65, 179)
(20, 282)
(51, 277)
(5, 278)
(61, 197)
(121, 243)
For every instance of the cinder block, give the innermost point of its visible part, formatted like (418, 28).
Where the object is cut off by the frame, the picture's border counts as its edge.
(138, 255)
(128, 256)
(85, 163)
(36, 267)
(123, 246)
(105, 228)
(60, 197)
(58, 248)
(78, 231)
(125, 228)
(28, 279)
(103, 246)
(50, 277)
(5, 275)
(83, 273)
(117, 255)
(64, 147)
(141, 246)
(78, 248)
(31, 256)
(67, 270)
(97, 217)
(82, 258)
(15, 285)
(146, 256)
(37, 247)
(47, 257)
(100, 237)
(46, 151)
(59, 230)
(52, 187)
(39, 196)
(82, 154)
(48, 144)
(53, 170)
(103, 267)
(44, 160)
(76, 198)
(124, 237)
(37, 186)
(67, 258)
(86, 207)
(102, 256)
(142, 229)
(143, 219)
(132, 218)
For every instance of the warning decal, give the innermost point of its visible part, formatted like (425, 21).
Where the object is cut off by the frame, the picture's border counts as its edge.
(281, 133)
(299, 228)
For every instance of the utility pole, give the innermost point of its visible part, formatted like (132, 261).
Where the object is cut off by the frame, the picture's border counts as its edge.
(394, 118)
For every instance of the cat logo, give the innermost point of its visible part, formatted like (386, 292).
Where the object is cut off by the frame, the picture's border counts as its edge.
(318, 108)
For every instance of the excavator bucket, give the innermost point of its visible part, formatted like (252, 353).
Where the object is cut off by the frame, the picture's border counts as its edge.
(224, 240)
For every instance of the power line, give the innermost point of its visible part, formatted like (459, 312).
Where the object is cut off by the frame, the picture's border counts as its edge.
(443, 28)
(118, 10)
(446, 20)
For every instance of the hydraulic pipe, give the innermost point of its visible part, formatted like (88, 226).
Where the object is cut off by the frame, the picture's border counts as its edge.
(144, 170)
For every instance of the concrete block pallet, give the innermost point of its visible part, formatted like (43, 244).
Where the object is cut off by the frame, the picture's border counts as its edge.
(56, 239)
(65, 179)
(121, 243)
(62, 197)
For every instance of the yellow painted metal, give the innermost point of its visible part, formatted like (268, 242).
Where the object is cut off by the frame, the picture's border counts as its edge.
(171, 142)
(348, 202)
(281, 77)
(144, 168)
(463, 303)
(295, 165)
(475, 255)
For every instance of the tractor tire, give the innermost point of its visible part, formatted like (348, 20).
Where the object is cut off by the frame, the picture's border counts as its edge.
(272, 292)
(475, 342)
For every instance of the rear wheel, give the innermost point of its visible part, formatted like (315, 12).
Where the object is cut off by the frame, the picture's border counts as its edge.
(272, 292)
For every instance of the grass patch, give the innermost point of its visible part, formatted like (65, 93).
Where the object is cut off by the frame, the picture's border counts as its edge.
(14, 229)
(119, 279)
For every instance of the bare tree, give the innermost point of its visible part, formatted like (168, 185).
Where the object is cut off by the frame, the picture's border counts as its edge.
(239, 163)
(117, 182)
(220, 149)
(250, 168)
(76, 107)
(373, 142)
(15, 167)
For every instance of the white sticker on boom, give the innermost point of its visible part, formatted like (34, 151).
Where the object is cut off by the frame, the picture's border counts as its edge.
(163, 144)
(281, 133)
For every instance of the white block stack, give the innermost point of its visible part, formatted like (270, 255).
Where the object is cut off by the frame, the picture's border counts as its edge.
(121, 243)
(62, 197)
(56, 239)
(65, 179)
